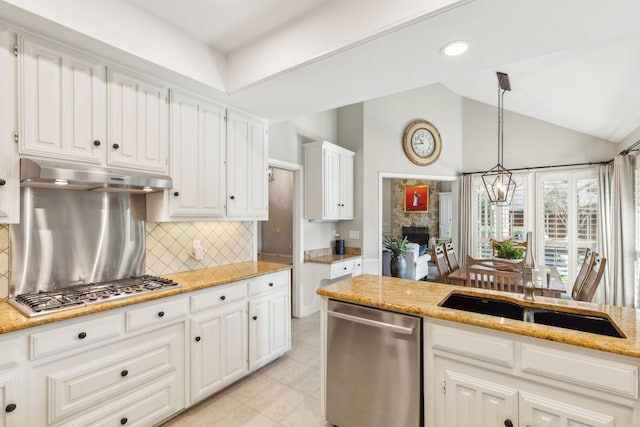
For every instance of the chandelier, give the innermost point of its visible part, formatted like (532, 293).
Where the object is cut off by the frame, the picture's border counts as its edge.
(498, 181)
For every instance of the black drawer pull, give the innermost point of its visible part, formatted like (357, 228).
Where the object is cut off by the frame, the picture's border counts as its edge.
(255, 317)
(223, 298)
(232, 197)
(82, 335)
(271, 284)
(198, 339)
(124, 373)
(96, 143)
(508, 423)
(123, 421)
(176, 193)
(115, 147)
(161, 314)
(2, 181)
(10, 407)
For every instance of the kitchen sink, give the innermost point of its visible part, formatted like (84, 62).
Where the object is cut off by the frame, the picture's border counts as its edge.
(594, 324)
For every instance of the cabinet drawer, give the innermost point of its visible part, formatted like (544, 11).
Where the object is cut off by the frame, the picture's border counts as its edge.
(478, 346)
(218, 296)
(77, 335)
(268, 283)
(135, 363)
(583, 370)
(341, 268)
(156, 314)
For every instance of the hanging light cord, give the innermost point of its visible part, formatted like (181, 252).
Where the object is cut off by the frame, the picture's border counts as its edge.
(500, 125)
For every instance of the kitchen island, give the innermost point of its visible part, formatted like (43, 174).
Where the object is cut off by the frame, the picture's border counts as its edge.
(486, 370)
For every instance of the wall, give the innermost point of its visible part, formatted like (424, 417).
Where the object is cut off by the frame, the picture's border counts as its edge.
(400, 218)
(276, 235)
(527, 141)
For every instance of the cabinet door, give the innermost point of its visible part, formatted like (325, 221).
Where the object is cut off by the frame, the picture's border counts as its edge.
(259, 333)
(247, 149)
(63, 104)
(331, 180)
(219, 350)
(9, 406)
(9, 165)
(138, 127)
(472, 401)
(280, 319)
(346, 186)
(540, 411)
(197, 158)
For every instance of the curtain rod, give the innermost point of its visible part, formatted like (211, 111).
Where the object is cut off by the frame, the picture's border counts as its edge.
(632, 147)
(549, 166)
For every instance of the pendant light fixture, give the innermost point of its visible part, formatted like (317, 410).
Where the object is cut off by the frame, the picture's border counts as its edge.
(498, 181)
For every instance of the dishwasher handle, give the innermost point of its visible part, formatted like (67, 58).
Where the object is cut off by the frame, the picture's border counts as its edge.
(382, 325)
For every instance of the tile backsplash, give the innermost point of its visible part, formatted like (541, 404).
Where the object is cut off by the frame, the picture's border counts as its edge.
(169, 246)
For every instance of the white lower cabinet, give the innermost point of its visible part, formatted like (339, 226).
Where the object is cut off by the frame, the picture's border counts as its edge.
(10, 412)
(269, 318)
(477, 378)
(218, 349)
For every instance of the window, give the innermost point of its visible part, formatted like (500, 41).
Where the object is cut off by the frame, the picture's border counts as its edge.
(567, 219)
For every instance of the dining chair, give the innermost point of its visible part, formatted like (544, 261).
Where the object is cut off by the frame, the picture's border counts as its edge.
(450, 255)
(498, 280)
(440, 259)
(587, 264)
(592, 280)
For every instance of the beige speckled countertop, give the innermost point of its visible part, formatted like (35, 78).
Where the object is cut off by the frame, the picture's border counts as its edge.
(332, 258)
(12, 320)
(422, 298)
(327, 256)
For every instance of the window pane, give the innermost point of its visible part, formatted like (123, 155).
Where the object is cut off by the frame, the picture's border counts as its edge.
(586, 216)
(486, 222)
(515, 219)
(555, 199)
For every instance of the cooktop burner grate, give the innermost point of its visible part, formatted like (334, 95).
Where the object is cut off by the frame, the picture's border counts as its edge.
(93, 293)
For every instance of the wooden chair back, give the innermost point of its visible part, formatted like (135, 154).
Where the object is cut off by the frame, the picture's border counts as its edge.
(514, 243)
(498, 280)
(439, 258)
(591, 282)
(450, 255)
(586, 266)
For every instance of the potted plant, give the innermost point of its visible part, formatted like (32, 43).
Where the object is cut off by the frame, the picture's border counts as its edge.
(398, 249)
(506, 250)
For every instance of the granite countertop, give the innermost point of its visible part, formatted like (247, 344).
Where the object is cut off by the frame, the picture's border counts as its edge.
(12, 320)
(422, 298)
(327, 256)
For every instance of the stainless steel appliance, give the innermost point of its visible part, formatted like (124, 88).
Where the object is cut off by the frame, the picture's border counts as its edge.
(39, 303)
(374, 367)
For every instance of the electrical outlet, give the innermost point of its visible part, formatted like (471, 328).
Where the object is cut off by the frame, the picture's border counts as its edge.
(354, 235)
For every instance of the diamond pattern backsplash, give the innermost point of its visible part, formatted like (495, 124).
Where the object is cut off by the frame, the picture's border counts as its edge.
(4, 261)
(170, 244)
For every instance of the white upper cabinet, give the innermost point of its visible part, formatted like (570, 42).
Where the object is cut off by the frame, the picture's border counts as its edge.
(247, 163)
(138, 123)
(328, 181)
(9, 165)
(197, 153)
(62, 103)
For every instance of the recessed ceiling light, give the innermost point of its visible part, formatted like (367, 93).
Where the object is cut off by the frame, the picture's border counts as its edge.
(455, 48)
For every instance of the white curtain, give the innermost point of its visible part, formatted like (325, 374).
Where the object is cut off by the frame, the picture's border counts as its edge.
(465, 224)
(617, 232)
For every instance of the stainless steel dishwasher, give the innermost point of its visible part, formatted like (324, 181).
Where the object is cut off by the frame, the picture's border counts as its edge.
(374, 367)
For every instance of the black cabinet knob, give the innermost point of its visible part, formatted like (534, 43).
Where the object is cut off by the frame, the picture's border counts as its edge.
(2, 181)
(255, 317)
(123, 421)
(223, 298)
(124, 373)
(10, 407)
(198, 339)
(116, 146)
(161, 314)
(176, 193)
(82, 335)
(508, 423)
(232, 197)
(96, 143)
(271, 284)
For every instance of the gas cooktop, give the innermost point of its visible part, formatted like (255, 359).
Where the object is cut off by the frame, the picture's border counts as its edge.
(40, 303)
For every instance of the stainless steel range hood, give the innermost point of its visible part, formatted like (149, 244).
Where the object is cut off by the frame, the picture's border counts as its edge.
(51, 174)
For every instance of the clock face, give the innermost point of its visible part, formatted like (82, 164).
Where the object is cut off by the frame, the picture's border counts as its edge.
(421, 142)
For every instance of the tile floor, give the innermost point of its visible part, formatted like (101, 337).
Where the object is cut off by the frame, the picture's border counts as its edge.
(285, 393)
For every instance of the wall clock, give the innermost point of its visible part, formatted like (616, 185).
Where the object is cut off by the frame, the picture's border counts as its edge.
(422, 143)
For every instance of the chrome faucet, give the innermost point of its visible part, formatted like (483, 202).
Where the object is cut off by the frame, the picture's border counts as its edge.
(527, 271)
